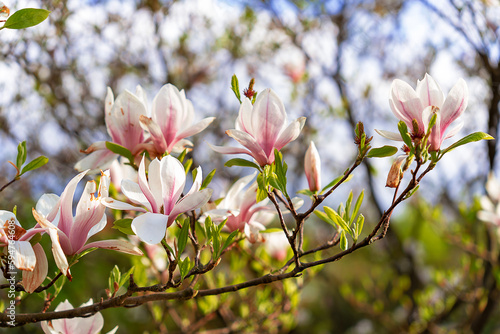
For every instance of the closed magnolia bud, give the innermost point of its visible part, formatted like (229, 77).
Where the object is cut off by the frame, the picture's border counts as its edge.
(312, 168)
(395, 173)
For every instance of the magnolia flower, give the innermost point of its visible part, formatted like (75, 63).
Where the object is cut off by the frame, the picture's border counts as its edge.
(171, 120)
(491, 204)
(69, 234)
(30, 259)
(261, 128)
(421, 104)
(160, 197)
(240, 206)
(88, 325)
(122, 123)
(242, 211)
(312, 168)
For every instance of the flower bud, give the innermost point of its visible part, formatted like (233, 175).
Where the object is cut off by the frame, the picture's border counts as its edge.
(395, 173)
(312, 168)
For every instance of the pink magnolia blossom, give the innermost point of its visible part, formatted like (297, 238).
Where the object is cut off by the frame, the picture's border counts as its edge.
(312, 168)
(122, 123)
(69, 234)
(240, 206)
(160, 197)
(408, 104)
(88, 325)
(171, 122)
(261, 128)
(30, 259)
(242, 211)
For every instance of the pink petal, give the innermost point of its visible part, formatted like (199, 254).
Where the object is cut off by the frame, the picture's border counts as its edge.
(144, 186)
(168, 111)
(455, 104)
(232, 200)
(251, 144)
(244, 120)
(194, 129)
(429, 92)
(156, 134)
(312, 168)
(290, 133)
(33, 279)
(118, 205)
(190, 202)
(405, 103)
(173, 178)
(436, 137)
(268, 119)
(229, 150)
(124, 120)
(108, 106)
(150, 227)
(66, 218)
(117, 245)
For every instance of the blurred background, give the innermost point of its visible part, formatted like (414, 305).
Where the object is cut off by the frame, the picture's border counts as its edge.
(437, 271)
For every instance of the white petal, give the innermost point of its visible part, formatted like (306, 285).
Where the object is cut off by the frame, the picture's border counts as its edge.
(118, 205)
(33, 279)
(150, 227)
(119, 245)
(389, 135)
(24, 256)
(135, 194)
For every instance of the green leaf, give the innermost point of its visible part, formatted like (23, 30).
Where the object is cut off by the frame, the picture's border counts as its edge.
(323, 216)
(85, 252)
(473, 137)
(187, 165)
(120, 150)
(21, 154)
(184, 266)
(241, 163)
(335, 181)
(381, 152)
(359, 224)
(262, 188)
(235, 87)
(357, 205)
(34, 164)
(335, 217)
(182, 156)
(183, 236)
(229, 239)
(25, 18)
(125, 277)
(124, 226)
(343, 241)
(216, 240)
(306, 192)
(348, 204)
(207, 179)
(208, 227)
(410, 194)
(403, 130)
(272, 230)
